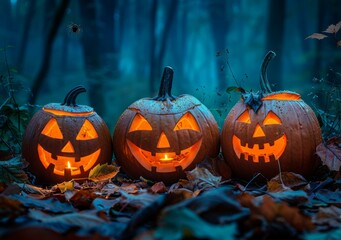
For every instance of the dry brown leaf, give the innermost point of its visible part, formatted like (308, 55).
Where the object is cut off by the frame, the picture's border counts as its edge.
(328, 215)
(272, 211)
(82, 199)
(330, 156)
(333, 28)
(203, 178)
(289, 179)
(317, 36)
(158, 187)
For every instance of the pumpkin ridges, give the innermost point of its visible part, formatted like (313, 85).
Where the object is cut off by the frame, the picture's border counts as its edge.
(187, 146)
(241, 168)
(93, 147)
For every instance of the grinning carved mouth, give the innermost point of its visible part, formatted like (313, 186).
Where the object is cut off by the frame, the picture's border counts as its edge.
(60, 164)
(165, 162)
(266, 152)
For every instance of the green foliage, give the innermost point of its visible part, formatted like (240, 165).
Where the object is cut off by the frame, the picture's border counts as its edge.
(11, 171)
(326, 96)
(13, 118)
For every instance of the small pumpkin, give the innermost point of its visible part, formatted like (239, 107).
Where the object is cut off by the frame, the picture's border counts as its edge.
(162, 137)
(64, 141)
(268, 132)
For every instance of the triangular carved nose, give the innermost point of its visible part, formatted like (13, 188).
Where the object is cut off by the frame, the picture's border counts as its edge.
(258, 132)
(163, 141)
(68, 148)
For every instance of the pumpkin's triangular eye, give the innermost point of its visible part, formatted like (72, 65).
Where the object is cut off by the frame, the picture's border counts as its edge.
(187, 121)
(87, 131)
(271, 118)
(244, 117)
(139, 123)
(52, 129)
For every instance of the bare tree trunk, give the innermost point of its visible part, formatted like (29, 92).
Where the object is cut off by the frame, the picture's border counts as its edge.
(153, 14)
(157, 57)
(275, 39)
(92, 54)
(219, 12)
(25, 35)
(47, 51)
(107, 36)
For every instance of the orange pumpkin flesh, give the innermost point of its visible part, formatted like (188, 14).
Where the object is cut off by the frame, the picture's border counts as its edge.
(160, 138)
(64, 141)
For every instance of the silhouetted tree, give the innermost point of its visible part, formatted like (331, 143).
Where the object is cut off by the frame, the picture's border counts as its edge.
(275, 38)
(45, 66)
(92, 50)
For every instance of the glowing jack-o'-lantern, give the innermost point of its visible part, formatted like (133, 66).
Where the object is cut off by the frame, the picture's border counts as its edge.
(160, 138)
(268, 133)
(64, 141)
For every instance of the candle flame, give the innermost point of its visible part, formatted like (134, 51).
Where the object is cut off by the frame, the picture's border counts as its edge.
(166, 158)
(68, 165)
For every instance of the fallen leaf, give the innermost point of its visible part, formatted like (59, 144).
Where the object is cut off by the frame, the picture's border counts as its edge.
(317, 36)
(330, 155)
(274, 211)
(28, 188)
(289, 179)
(34, 232)
(328, 215)
(333, 28)
(203, 178)
(330, 235)
(290, 196)
(82, 199)
(329, 197)
(185, 224)
(48, 205)
(103, 172)
(65, 186)
(10, 209)
(217, 206)
(158, 187)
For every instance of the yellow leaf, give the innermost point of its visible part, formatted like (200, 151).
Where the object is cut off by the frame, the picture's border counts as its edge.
(103, 172)
(64, 186)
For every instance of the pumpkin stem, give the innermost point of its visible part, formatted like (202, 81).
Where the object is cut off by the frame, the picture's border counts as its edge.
(264, 82)
(166, 85)
(70, 99)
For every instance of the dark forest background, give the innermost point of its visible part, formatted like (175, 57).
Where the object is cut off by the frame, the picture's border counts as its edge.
(123, 45)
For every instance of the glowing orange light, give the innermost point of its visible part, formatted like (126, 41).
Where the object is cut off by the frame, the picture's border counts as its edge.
(166, 158)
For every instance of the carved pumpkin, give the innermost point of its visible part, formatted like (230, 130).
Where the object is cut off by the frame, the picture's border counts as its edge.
(159, 138)
(64, 141)
(268, 133)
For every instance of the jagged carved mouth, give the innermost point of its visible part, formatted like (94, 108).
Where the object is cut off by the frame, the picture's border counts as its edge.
(165, 162)
(265, 151)
(61, 162)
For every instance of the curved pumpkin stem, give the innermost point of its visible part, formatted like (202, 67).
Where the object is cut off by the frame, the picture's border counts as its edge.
(166, 85)
(70, 99)
(264, 82)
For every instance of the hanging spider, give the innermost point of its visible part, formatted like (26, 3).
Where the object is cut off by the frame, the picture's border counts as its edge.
(74, 28)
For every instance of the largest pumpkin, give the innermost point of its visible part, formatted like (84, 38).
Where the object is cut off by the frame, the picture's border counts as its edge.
(162, 137)
(269, 132)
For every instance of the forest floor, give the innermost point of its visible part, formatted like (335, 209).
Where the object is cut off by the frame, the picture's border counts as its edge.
(203, 206)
